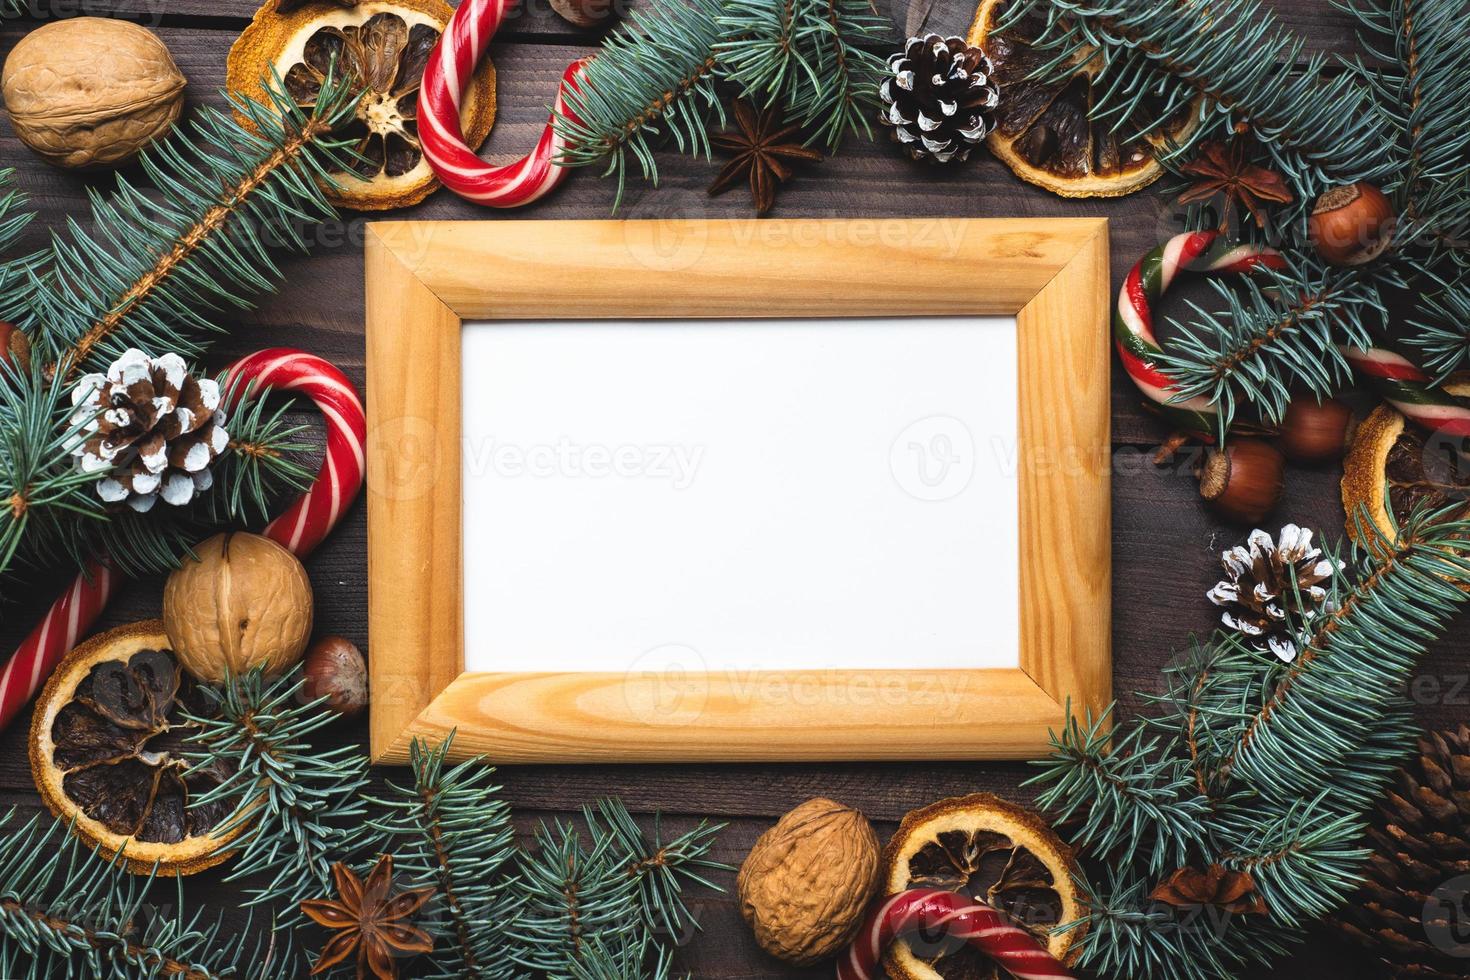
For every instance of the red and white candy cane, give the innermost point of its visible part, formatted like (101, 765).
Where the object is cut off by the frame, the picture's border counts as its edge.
(940, 915)
(300, 528)
(447, 75)
(1410, 390)
(1133, 318)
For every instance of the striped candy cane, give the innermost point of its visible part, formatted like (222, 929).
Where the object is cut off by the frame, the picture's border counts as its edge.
(942, 915)
(446, 77)
(1133, 318)
(1410, 390)
(300, 528)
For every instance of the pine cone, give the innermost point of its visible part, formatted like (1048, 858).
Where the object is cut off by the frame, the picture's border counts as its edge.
(1410, 910)
(151, 427)
(940, 98)
(1274, 590)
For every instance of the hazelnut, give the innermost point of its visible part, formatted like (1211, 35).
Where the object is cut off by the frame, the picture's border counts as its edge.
(1352, 224)
(1243, 481)
(1316, 432)
(807, 881)
(334, 669)
(243, 602)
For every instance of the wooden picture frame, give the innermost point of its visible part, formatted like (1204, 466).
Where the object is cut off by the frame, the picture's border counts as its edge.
(425, 278)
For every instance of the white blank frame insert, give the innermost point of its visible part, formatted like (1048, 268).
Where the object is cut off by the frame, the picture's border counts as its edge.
(740, 495)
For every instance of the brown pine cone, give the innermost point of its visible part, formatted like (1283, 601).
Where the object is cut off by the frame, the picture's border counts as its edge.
(149, 428)
(1410, 910)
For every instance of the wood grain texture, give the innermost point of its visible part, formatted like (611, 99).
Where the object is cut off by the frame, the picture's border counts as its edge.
(1164, 543)
(678, 267)
(413, 505)
(1066, 543)
(1051, 274)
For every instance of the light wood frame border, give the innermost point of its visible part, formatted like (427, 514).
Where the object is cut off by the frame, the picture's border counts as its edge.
(424, 278)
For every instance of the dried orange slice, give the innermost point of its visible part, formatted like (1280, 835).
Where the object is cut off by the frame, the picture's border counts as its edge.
(383, 46)
(995, 852)
(1393, 467)
(1042, 131)
(107, 742)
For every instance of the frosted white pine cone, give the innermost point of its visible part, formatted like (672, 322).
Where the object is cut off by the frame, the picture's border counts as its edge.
(149, 429)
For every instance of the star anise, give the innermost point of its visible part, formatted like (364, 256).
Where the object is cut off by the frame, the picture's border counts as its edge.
(761, 145)
(370, 921)
(1230, 891)
(1225, 168)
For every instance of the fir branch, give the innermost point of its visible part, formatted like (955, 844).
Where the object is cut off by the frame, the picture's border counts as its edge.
(653, 79)
(1275, 764)
(156, 264)
(621, 892)
(1090, 779)
(294, 806)
(1442, 329)
(65, 911)
(1276, 334)
(1421, 75)
(1158, 57)
(807, 57)
(449, 828)
(1357, 658)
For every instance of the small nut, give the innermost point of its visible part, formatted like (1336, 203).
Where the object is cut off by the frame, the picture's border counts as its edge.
(583, 13)
(807, 881)
(334, 669)
(243, 602)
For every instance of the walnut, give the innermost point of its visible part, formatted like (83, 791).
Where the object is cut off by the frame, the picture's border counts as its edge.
(245, 603)
(807, 881)
(91, 91)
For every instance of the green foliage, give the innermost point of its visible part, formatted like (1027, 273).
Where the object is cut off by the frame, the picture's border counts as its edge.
(156, 264)
(1420, 75)
(1442, 329)
(656, 78)
(296, 806)
(449, 828)
(150, 270)
(1390, 119)
(805, 55)
(1256, 765)
(64, 911)
(606, 904)
(1319, 128)
(614, 899)
(1277, 334)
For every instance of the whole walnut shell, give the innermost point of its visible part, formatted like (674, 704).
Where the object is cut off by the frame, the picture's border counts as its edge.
(807, 881)
(91, 91)
(245, 603)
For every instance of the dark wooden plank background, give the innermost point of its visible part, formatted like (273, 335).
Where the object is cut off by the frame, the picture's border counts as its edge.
(1164, 542)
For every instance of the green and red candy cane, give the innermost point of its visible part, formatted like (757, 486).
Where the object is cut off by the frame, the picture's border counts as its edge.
(1401, 384)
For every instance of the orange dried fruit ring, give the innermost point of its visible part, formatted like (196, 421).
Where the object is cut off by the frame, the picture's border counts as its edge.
(994, 852)
(1392, 467)
(383, 45)
(1042, 131)
(107, 752)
